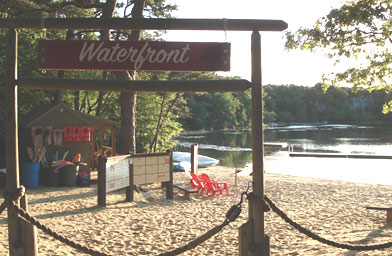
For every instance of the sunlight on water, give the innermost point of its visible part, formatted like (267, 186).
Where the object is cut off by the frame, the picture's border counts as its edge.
(343, 147)
(234, 149)
(375, 171)
(318, 127)
(215, 147)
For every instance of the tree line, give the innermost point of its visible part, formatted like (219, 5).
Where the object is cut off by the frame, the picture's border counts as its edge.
(287, 104)
(150, 125)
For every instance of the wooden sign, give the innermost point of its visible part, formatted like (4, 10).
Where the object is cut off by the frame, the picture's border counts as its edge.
(117, 174)
(133, 55)
(151, 169)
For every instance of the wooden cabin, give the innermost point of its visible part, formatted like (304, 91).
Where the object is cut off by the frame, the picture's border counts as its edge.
(63, 129)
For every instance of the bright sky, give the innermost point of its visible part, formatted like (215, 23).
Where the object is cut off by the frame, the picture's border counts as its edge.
(278, 65)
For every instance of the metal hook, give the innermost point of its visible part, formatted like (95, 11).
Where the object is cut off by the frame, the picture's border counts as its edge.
(225, 28)
(43, 26)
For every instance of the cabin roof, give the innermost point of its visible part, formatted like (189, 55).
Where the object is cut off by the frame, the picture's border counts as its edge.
(45, 112)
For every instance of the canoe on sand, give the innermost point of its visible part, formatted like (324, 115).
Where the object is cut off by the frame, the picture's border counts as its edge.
(203, 161)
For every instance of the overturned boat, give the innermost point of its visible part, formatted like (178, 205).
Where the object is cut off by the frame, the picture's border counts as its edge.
(185, 157)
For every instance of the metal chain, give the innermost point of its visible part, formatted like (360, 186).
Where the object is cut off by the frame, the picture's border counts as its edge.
(321, 239)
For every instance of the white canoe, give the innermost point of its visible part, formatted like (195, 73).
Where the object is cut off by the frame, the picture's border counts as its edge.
(203, 161)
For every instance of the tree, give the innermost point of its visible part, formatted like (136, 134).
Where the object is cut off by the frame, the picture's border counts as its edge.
(89, 102)
(359, 30)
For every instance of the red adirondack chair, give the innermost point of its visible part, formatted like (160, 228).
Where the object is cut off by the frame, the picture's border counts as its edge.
(196, 182)
(213, 186)
(193, 182)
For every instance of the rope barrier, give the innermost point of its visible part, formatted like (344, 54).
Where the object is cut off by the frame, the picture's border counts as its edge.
(10, 199)
(55, 235)
(321, 239)
(2, 207)
(231, 216)
(10, 202)
(201, 239)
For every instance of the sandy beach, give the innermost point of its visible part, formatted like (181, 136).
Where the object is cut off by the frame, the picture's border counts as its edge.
(332, 209)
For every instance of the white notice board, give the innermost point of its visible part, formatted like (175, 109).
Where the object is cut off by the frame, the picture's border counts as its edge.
(117, 174)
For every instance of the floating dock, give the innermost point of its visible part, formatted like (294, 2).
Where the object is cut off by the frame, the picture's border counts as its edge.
(339, 155)
(276, 144)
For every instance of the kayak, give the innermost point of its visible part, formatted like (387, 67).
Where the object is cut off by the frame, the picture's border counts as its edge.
(183, 166)
(184, 158)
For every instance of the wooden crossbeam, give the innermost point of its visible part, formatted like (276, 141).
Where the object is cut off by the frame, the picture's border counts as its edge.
(146, 24)
(135, 86)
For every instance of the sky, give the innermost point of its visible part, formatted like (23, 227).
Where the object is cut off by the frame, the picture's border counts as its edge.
(279, 66)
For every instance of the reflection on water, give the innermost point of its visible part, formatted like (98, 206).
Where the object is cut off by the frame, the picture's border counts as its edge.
(233, 148)
(215, 147)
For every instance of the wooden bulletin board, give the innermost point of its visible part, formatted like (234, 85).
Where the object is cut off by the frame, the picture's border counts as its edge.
(126, 171)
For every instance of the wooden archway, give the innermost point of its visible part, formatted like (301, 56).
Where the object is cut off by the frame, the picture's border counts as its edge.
(256, 211)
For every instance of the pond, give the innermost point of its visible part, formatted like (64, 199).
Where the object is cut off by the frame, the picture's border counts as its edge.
(233, 149)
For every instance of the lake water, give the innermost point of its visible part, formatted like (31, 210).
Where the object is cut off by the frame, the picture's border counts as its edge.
(233, 149)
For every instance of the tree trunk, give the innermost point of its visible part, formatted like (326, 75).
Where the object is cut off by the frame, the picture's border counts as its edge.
(128, 99)
(162, 118)
(100, 97)
(77, 100)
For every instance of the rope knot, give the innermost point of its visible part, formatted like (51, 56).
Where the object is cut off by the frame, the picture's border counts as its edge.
(16, 195)
(252, 196)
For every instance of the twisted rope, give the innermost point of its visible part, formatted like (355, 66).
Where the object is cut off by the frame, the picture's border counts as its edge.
(201, 239)
(2, 207)
(55, 235)
(231, 216)
(9, 201)
(321, 239)
(11, 197)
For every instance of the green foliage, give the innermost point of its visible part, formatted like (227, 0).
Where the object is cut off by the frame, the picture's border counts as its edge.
(86, 101)
(358, 30)
(214, 111)
(148, 110)
(299, 104)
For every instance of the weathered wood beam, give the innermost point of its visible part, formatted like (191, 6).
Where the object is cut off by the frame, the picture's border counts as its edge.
(257, 214)
(11, 140)
(146, 24)
(135, 86)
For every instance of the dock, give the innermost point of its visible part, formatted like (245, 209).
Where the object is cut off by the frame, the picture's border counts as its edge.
(339, 155)
(276, 144)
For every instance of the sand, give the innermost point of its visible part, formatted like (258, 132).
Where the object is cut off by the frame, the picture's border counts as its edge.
(332, 209)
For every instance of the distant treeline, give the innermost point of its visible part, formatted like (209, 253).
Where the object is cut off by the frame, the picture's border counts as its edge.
(285, 104)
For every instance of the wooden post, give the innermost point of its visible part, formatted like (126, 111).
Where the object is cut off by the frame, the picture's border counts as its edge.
(389, 216)
(11, 140)
(257, 211)
(102, 181)
(245, 237)
(235, 176)
(92, 160)
(194, 158)
(102, 132)
(113, 141)
(169, 184)
(29, 232)
(129, 190)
